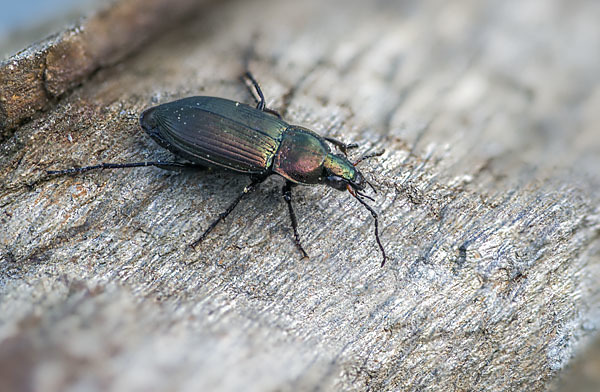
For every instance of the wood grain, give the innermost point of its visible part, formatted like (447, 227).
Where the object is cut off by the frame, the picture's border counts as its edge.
(488, 195)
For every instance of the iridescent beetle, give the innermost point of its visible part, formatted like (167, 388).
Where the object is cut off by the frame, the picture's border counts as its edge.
(217, 132)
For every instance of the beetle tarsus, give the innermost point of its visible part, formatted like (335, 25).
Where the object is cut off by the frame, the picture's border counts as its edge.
(369, 156)
(287, 196)
(228, 211)
(344, 147)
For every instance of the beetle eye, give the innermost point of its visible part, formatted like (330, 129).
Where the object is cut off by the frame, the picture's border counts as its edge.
(336, 182)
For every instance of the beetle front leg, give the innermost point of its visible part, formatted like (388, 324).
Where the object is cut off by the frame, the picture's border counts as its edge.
(287, 196)
(341, 145)
(248, 189)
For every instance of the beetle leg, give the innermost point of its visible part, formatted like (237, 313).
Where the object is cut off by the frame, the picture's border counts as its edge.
(287, 196)
(273, 112)
(369, 156)
(341, 145)
(223, 215)
(260, 101)
(160, 164)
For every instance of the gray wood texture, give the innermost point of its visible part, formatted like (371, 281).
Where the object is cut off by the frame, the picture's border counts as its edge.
(488, 197)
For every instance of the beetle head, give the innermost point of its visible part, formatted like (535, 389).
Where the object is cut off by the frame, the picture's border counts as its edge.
(340, 173)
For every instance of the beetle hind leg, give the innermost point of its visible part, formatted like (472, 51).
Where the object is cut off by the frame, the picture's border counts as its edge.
(287, 196)
(160, 164)
(248, 189)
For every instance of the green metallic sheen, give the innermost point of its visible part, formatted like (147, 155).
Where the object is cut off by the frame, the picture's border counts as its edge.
(339, 166)
(254, 141)
(300, 156)
(231, 135)
(216, 132)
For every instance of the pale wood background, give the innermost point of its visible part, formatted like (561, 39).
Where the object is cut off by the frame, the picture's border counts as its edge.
(488, 111)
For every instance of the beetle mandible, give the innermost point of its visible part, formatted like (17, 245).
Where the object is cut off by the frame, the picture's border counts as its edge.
(255, 141)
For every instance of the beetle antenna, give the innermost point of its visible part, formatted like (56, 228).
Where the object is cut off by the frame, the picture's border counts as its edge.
(374, 215)
(364, 195)
(371, 185)
(367, 156)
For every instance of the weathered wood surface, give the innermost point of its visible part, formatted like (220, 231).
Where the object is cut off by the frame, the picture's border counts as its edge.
(488, 195)
(42, 73)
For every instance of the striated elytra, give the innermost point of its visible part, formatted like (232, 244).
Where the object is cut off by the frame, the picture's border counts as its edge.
(255, 141)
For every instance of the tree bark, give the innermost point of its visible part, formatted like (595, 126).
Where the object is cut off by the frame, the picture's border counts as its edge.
(487, 198)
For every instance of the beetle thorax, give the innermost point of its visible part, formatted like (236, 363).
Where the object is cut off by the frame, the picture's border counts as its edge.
(300, 156)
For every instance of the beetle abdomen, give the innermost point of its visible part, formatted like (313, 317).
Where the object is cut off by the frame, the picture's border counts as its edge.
(216, 132)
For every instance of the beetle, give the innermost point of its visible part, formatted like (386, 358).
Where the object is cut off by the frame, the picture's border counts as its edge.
(255, 141)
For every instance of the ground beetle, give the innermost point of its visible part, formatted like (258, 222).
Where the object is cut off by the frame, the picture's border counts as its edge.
(217, 132)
